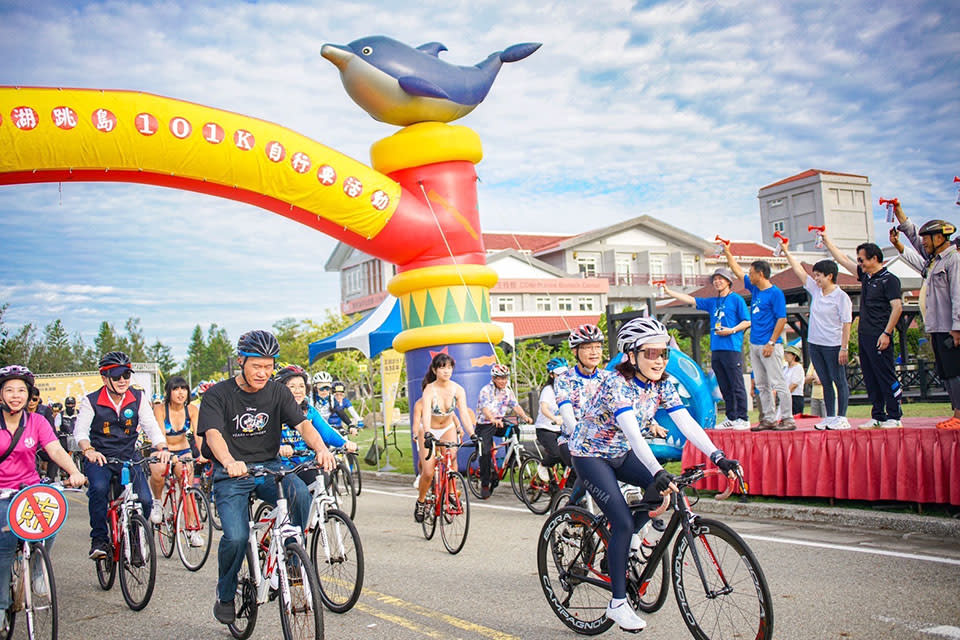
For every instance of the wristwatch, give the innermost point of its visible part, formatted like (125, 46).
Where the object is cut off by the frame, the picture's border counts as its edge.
(888, 334)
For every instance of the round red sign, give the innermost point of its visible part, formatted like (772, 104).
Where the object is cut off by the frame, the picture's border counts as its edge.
(37, 512)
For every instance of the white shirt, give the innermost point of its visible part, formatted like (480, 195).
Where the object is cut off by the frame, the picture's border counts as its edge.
(828, 313)
(148, 422)
(794, 375)
(549, 398)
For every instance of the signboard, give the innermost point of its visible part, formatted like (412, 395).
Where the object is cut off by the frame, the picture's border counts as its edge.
(391, 365)
(54, 387)
(37, 512)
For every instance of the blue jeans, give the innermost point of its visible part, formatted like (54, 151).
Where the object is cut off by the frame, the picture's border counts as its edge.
(99, 492)
(233, 505)
(831, 372)
(599, 476)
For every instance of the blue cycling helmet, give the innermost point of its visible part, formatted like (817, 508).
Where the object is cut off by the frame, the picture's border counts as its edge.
(557, 365)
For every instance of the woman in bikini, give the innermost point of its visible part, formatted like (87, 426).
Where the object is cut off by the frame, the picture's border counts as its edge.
(442, 397)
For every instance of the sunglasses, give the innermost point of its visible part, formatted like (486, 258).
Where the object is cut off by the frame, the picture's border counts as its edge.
(125, 375)
(652, 353)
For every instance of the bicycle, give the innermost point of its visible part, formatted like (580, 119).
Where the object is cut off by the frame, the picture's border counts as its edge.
(447, 500)
(342, 487)
(205, 471)
(31, 591)
(352, 465)
(512, 459)
(186, 522)
(535, 487)
(335, 547)
(131, 540)
(717, 582)
(284, 572)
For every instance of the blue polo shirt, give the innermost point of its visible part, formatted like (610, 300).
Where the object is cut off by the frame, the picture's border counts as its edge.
(766, 307)
(729, 311)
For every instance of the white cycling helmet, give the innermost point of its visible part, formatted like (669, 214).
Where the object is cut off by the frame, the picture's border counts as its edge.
(641, 331)
(322, 377)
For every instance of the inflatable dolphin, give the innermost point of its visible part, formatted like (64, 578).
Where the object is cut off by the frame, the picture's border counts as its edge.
(400, 85)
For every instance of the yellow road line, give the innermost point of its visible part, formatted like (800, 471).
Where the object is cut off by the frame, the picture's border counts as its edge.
(397, 620)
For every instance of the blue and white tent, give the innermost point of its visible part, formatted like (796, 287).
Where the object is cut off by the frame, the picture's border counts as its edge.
(371, 335)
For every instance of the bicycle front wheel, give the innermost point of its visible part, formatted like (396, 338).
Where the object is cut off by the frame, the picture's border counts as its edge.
(533, 489)
(166, 530)
(473, 474)
(245, 601)
(429, 523)
(342, 489)
(194, 529)
(737, 602)
(513, 468)
(41, 613)
(138, 563)
(455, 513)
(338, 558)
(106, 571)
(301, 615)
(571, 548)
(353, 464)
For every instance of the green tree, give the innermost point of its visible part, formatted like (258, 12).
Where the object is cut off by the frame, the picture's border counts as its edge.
(4, 336)
(195, 351)
(107, 340)
(218, 355)
(84, 358)
(57, 354)
(24, 348)
(163, 356)
(136, 344)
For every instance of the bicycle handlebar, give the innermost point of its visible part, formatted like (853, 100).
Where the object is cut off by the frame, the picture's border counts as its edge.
(141, 462)
(694, 475)
(257, 471)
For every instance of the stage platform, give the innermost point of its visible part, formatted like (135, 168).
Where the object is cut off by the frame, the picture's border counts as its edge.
(918, 463)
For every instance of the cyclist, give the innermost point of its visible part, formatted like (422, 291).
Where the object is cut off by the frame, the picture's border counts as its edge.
(343, 416)
(322, 384)
(240, 421)
(496, 400)
(293, 448)
(549, 422)
(179, 420)
(108, 424)
(24, 434)
(607, 445)
(441, 399)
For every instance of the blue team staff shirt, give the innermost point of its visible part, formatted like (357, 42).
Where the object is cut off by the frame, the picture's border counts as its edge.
(597, 433)
(729, 311)
(766, 307)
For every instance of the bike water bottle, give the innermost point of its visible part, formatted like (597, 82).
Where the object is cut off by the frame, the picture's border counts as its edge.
(125, 475)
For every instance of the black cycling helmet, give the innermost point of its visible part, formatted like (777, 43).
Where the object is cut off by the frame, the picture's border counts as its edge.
(291, 371)
(69, 401)
(339, 387)
(114, 363)
(258, 344)
(937, 226)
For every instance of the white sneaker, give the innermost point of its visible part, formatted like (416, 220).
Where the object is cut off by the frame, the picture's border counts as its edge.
(626, 617)
(416, 482)
(891, 423)
(741, 425)
(726, 424)
(156, 513)
(195, 539)
(826, 423)
(543, 473)
(840, 423)
(873, 424)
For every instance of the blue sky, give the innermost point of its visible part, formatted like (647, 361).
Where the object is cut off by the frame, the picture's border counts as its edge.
(680, 110)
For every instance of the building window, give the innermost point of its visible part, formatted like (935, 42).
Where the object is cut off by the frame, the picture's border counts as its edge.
(624, 266)
(505, 304)
(585, 303)
(778, 226)
(775, 203)
(543, 303)
(564, 303)
(587, 266)
(658, 267)
(689, 269)
(353, 280)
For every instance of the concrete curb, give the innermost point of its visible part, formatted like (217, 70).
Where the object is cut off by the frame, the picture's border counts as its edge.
(831, 516)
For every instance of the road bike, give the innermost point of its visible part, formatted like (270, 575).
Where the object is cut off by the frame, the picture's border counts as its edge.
(33, 589)
(537, 492)
(717, 582)
(447, 501)
(335, 547)
(131, 540)
(186, 522)
(512, 460)
(276, 566)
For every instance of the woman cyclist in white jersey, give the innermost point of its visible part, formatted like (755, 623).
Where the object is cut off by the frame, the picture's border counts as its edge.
(607, 445)
(441, 398)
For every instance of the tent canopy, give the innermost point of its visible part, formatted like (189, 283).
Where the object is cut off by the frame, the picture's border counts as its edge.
(374, 333)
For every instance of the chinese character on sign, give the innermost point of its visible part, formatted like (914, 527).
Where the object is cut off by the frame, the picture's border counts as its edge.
(243, 139)
(104, 120)
(275, 151)
(379, 200)
(300, 162)
(326, 175)
(64, 117)
(24, 118)
(352, 187)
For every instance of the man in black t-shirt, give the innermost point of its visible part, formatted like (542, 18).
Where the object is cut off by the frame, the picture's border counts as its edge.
(240, 421)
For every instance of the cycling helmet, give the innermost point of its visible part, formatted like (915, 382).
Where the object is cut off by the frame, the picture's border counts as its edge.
(16, 372)
(937, 226)
(69, 401)
(290, 371)
(585, 334)
(556, 365)
(322, 377)
(258, 344)
(641, 331)
(57, 406)
(339, 387)
(114, 363)
(499, 371)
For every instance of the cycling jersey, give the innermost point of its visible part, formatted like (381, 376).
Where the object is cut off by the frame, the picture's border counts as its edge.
(302, 452)
(499, 402)
(574, 388)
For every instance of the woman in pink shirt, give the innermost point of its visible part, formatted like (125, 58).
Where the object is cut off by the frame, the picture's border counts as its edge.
(19, 463)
